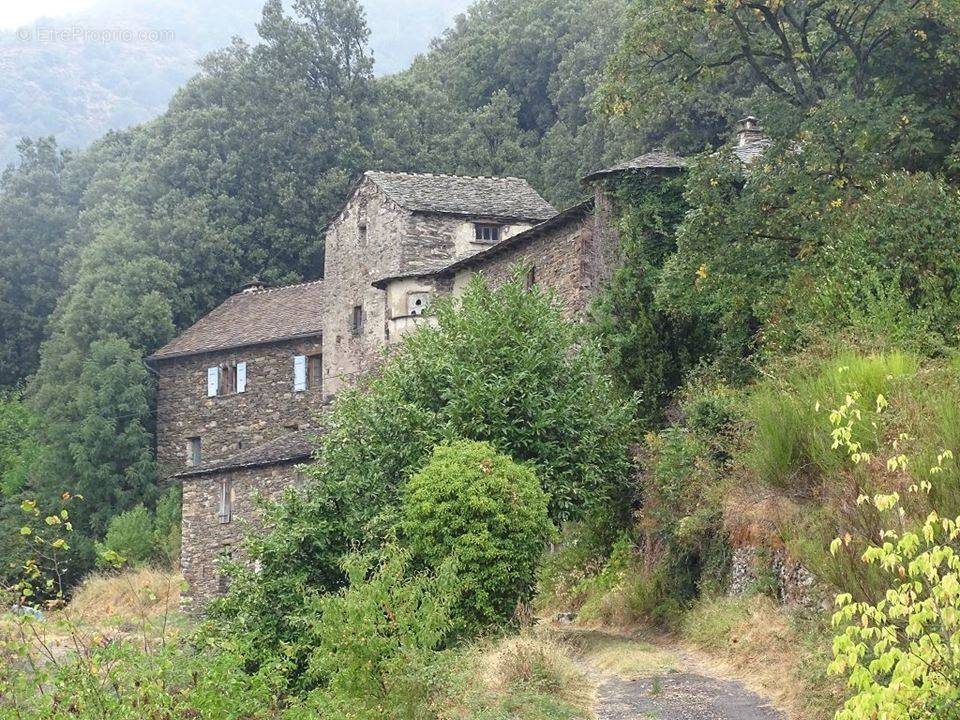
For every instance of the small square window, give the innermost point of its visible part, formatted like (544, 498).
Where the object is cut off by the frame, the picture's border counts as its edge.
(488, 234)
(193, 451)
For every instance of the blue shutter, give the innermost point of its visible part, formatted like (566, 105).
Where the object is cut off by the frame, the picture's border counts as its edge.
(241, 377)
(213, 381)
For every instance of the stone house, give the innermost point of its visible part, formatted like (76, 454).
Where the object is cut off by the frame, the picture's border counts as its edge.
(240, 392)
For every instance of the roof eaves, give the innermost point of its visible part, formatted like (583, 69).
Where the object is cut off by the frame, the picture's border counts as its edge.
(157, 357)
(228, 466)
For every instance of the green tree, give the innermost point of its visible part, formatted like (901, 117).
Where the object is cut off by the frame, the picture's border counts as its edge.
(500, 366)
(780, 59)
(36, 213)
(487, 514)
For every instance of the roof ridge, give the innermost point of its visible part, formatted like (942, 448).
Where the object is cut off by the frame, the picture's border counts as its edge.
(267, 290)
(445, 175)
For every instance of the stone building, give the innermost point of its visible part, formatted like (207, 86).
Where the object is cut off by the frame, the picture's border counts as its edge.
(240, 392)
(399, 224)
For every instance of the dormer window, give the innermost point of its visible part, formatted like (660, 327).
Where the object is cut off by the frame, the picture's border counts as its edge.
(486, 233)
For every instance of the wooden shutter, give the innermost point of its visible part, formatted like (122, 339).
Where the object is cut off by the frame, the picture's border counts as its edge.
(299, 373)
(213, 381)
(241, 377)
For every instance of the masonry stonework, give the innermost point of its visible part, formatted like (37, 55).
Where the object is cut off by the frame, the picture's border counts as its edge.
(228, 424)
(206, 540)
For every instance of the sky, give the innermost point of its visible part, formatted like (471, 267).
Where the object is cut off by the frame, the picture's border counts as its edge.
(16, 14)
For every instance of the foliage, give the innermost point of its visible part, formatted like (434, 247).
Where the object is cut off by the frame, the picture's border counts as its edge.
(19, 448)
(502, 367)
(487, 514)
(372, 643)
(899, 653)
(139, 536)
(712, 62)
(37, 207)
(649, 349)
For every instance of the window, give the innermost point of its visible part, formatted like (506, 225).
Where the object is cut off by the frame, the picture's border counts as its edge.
(315, 371)
(356, 321)
(531, 277)
(193, 451)
(417, 302)
(299, 373)
(227, 379)
(486, 233)
(362, 231)
(225, 513)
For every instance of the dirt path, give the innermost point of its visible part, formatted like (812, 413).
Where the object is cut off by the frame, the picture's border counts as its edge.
(649, 679)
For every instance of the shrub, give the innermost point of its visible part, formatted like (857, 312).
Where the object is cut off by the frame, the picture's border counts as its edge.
(374, 641)
(130, 536)
(489, 515)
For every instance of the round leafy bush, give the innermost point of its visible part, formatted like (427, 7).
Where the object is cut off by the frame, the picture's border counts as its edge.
(489, 514)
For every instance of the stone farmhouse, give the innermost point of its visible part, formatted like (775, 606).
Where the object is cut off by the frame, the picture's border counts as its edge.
(240, 391)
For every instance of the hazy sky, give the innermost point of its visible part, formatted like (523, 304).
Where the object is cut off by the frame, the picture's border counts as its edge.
(14, 14)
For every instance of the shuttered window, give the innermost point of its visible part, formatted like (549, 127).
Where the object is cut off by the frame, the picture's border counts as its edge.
(315, 372)
(299, 373)
(225, 513)
(241, 377)
(193, 451)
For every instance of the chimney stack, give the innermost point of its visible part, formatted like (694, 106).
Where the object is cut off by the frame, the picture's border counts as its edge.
(253, 286)
(748, 131)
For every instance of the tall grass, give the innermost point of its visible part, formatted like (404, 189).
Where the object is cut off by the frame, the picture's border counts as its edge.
(790, 447)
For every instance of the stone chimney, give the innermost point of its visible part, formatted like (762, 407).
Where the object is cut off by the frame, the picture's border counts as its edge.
(253, 286)
(748, 131)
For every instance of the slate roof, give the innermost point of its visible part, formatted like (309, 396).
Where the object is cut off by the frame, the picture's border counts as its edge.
(295, 446)
(655, 160)
(574, 213)
(506, 198)
(252, 317)
(751, 149)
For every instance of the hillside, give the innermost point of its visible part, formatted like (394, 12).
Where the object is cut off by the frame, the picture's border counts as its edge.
(77, 88)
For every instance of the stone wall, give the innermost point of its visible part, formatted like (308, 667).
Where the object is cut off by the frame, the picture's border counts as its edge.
(753, 567)
(362, 244)
(227, 424)
(561, 258)
(206, 540)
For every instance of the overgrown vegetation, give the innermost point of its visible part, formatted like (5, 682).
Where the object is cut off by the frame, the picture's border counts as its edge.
(777, 353)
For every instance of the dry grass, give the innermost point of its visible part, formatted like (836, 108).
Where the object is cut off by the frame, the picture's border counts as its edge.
(759, 643)
(612, 653)
(533, 661)
(129, 596)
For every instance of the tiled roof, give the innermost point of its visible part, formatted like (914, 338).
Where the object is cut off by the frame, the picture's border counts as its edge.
(251, 317)
(495, 197)
(574, 213)
(294, 446)
(656, 160)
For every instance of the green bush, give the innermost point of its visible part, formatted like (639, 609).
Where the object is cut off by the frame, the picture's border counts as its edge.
(139, 536)
(488, 514)
(374, 641)
(130, 535)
